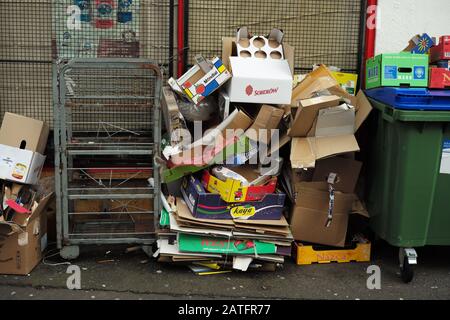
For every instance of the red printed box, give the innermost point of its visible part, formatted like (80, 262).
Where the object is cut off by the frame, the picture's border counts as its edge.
(439, 78)
(441, 51)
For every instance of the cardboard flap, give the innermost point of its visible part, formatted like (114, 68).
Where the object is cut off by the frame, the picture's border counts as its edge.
(303, 154)
(289, 56)
(331, 146)
(307, 113)
(363, 108)
(42, 205)
(9, 228)
(335, 121)
(227, 51)
(305, 151)
(268, 118)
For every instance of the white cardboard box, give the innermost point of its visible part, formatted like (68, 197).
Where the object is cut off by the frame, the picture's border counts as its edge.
(256, 80)
(18, 165)
(260, 81)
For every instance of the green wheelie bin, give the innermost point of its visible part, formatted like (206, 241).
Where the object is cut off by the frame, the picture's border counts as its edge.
(408, 194)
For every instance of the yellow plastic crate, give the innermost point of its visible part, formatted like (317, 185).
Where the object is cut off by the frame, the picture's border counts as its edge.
(307, 254)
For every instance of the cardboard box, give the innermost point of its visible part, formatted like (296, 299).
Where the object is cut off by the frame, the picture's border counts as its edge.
(335, 121)
(307, 113)
(305, 151)
(21, 246)
(319, 82)
(22, 140)
(257, 80)
(203, 78)
(19, 165)
(397, 69)
(232, 190)
(268, 118)
(441, 51)
(211, 206)
(309, 215)
(346, 170)
(347, 81)
(439, 78)
(420, 44)
(24, 133)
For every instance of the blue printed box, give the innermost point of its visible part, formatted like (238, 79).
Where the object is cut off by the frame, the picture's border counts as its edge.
(205, 205)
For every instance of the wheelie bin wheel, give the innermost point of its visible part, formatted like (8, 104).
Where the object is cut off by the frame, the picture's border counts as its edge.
(407, 259)
(406, 271)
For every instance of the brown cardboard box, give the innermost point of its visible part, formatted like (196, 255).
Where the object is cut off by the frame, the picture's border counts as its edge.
(309, 215)
(21, 246)
(347, 171)
(24, 133)
(307, 112)
(305, 151)
(268, 118)
(319, 80)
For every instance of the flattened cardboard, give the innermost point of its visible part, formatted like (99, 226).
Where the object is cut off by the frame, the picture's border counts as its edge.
(24, 133)
(268, 118)
(201, 244)
(183, 212)
(347, 171)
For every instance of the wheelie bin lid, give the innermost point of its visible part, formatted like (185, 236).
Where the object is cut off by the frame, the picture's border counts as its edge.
(411, 98)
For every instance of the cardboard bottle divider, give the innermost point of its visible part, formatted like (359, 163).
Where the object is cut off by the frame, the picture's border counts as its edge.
(260, 47)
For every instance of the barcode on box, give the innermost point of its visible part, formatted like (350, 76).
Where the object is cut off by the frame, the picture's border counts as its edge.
(447, 54)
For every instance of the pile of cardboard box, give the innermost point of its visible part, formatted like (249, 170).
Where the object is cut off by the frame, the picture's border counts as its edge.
(238, 196)
(23, 220)
(423, 63)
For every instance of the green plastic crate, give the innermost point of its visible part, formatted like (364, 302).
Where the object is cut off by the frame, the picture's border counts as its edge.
(397, 69)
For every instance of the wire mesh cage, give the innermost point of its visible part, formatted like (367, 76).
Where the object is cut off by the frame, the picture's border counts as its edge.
(37, 32)
(326, 31)
(107, 132)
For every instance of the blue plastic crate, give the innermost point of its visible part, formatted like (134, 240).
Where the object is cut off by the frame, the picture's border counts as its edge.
(412, 98)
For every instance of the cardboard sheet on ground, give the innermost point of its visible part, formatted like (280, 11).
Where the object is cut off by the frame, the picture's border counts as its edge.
(176, 227)
(173, 250)
(202, 244)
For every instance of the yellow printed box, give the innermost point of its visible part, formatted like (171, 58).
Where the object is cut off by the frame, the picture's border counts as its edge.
(347, 81)
(232, 190)
(309, 254)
